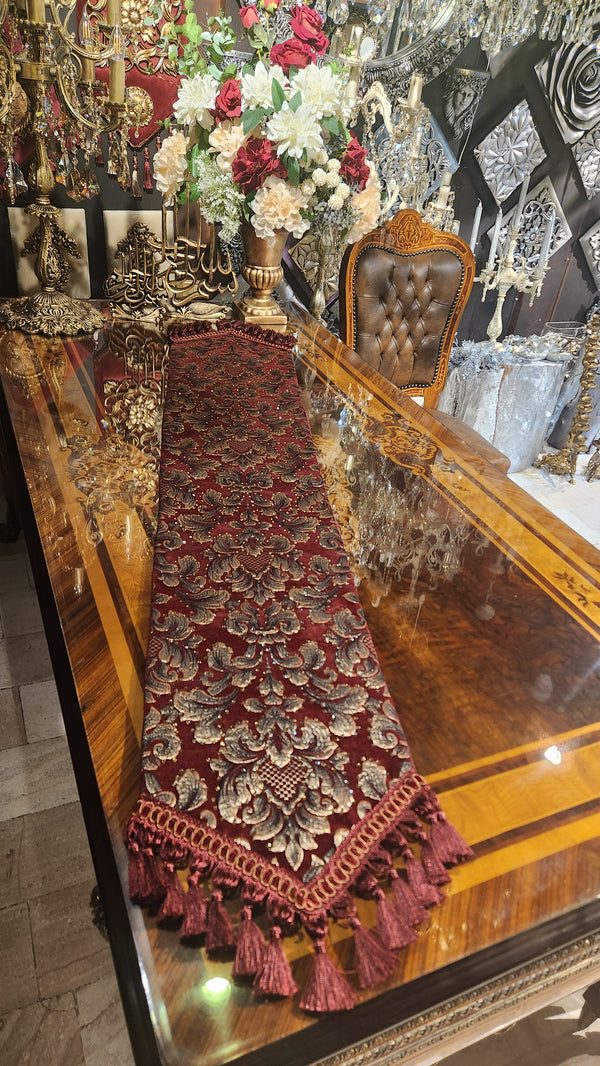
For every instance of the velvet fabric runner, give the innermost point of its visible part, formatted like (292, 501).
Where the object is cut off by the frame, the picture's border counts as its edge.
(277, 782)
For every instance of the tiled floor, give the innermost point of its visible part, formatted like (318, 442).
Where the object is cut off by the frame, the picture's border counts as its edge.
(59, 1003)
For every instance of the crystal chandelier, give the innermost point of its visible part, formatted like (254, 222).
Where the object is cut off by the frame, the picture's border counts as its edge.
(500, 24)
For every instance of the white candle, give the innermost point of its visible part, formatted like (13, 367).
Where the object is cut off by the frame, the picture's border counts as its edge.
(495, 236)
(414, 92)
(475, 227)
(519, 212)
(545, 249)
(444, 190)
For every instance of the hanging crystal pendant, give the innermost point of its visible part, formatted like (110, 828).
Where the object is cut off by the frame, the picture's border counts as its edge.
(380, 12)
(338, 11)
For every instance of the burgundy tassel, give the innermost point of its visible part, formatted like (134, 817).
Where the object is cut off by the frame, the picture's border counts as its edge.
(447, 841)
(195, 918)
(172, 906)
(327, 989)
(372, 960)
(143, 882)
(393, 930)
(406, 901)
(219, 930)
(275, 978)
(426, 893)
(251, 949)
(148, 186)
(435, 871)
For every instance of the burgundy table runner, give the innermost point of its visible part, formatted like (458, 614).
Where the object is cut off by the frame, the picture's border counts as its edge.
(277, 783)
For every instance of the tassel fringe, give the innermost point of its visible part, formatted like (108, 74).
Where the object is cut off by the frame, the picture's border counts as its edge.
(251, 951)
(275, 978)
(327, 989)
(372, 960)
(153, 879)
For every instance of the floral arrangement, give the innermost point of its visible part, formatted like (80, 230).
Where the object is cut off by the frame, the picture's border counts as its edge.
(267, 143)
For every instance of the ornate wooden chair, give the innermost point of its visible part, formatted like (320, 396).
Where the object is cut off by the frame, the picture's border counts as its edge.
(403, 289)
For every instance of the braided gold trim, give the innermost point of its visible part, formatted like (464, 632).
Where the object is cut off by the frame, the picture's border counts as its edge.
(306, 899)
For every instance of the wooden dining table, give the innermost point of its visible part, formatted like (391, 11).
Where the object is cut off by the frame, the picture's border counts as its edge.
(485, 611)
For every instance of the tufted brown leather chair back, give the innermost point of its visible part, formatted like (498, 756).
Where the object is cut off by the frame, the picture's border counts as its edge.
(403, 288)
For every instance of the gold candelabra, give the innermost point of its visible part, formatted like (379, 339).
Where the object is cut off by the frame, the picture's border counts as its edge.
(51, 98)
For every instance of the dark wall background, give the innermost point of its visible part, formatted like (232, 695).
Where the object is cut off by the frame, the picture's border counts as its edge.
(568, 290)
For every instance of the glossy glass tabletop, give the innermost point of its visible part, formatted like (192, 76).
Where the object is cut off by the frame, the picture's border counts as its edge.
(485, 611)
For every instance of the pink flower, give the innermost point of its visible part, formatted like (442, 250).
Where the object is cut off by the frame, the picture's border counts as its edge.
(249, 16)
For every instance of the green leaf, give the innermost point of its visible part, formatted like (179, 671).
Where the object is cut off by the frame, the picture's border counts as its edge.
(251, 118)
(332, 124)
(293, 167)
(295, 101)
(277, 94)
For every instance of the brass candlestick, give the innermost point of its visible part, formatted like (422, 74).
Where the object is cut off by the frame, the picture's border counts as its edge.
(45, 65)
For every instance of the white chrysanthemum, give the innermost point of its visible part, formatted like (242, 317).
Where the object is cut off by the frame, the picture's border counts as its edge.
(257, 87)
(195, 99)
(321, 88)
(336, 202)
(367, 205)
(308, 187)
(225, 140)
(277, 205)
(319, 177)
(296, 132)
(170, 165)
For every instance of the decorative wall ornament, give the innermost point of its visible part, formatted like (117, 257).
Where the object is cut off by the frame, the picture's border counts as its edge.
(570, 78)
(539, 204)
(462, 92)
(509, 152)
(154, 276)
(590, 242)
(429, 56)
(586, 153)
(519, 250)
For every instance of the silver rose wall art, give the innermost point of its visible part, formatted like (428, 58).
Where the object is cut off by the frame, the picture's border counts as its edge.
(510, 152)
(571, 80)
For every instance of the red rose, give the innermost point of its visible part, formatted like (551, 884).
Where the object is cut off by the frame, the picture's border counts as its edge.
(249, 16)
(228, 103)
(307, 25)
(292, 53)
(254, 161)
(353, 168)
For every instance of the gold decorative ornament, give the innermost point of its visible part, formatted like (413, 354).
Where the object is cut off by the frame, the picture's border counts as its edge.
(176, 274)
(45, 60)
(263, 271)
(564, 462)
